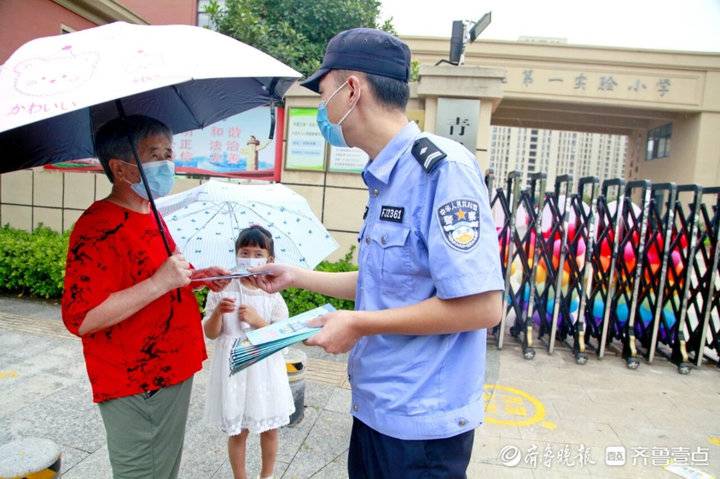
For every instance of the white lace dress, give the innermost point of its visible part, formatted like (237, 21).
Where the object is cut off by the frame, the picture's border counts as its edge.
(257, 398)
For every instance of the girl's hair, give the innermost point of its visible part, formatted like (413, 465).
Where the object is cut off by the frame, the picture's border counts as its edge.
(256, 236)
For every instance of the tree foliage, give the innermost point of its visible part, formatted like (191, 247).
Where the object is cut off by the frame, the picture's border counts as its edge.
(293, 31)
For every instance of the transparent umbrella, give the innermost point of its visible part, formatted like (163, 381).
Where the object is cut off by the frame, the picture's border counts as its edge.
(206, 220)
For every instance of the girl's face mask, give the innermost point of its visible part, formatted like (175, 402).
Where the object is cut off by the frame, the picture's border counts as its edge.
(247, 263)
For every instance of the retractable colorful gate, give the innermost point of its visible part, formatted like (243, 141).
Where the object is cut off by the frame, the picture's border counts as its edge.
(628, 266)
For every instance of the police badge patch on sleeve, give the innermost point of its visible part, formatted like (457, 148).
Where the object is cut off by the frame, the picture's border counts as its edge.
(460, 223)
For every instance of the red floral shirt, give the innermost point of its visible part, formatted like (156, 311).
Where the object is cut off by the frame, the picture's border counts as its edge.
(111, 249)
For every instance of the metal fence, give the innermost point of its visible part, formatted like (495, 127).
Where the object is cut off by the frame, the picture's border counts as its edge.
(630, 267)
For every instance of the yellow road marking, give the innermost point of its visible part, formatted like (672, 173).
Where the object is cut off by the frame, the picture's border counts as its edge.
(508, 406)
(8, 374)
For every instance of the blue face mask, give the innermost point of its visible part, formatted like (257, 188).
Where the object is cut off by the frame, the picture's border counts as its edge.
(160, 176)
(332, 132)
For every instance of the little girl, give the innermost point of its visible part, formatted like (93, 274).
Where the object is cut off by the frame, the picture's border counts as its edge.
(256, 399)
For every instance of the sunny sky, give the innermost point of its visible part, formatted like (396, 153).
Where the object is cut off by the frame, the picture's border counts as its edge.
(692, 25)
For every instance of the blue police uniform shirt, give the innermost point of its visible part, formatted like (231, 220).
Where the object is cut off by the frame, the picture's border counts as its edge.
(426, 233)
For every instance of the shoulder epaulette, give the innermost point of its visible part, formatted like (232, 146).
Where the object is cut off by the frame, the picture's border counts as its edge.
(427, 153)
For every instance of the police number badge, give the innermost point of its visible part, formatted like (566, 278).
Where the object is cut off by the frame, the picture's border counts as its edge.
(460, 223)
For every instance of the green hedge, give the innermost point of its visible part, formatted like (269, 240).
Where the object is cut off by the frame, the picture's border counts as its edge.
(34, 264)
(201, 296)
(299, 300)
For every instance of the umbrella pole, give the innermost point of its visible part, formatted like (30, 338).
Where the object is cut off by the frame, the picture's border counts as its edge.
(133, 147)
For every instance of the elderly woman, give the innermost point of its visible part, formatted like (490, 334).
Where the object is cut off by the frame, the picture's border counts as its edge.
(142, 339)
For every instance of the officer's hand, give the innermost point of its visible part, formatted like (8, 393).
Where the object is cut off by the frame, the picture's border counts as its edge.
(338, 334)
(272, 277)
(174, 273)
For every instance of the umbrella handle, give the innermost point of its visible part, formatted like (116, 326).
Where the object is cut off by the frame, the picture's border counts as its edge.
(136, 156)
(272, 120)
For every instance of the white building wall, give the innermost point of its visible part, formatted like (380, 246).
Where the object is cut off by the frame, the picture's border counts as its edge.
(556, 153)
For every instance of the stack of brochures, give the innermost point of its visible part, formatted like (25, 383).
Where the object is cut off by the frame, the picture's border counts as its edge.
(261, 343)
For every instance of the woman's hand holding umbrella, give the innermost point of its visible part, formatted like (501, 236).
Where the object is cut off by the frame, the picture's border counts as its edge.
(174, 273)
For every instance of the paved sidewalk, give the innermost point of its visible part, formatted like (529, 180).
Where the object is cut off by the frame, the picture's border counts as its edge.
(545, 418)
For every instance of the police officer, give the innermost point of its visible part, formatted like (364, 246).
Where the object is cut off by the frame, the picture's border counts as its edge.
(429, 280)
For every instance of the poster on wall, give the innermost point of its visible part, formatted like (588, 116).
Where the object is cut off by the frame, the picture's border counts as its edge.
(305, 143)
(235, 147)
(347, 160)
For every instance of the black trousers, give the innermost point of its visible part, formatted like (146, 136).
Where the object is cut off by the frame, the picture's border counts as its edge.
(373, 455)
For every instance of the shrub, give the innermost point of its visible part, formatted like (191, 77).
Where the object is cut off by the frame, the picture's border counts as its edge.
(33, 263)
(299, 300)
(201, 296)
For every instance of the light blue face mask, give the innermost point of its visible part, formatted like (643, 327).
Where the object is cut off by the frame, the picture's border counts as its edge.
(332, 132)
(160, 176)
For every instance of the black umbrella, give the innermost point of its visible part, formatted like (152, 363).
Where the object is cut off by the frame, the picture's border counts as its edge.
(56, 91)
